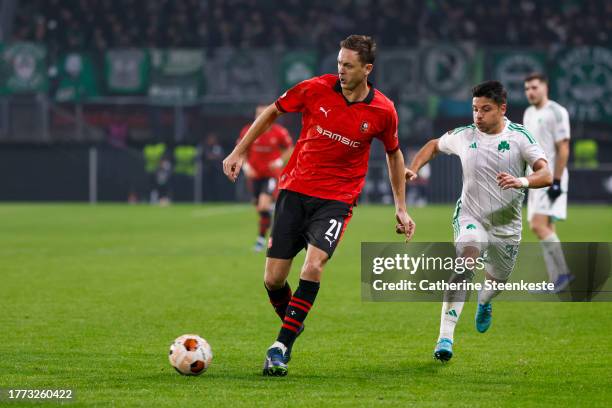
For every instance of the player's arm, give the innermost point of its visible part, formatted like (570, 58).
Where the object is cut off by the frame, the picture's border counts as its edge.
(233, 162)
(541, 177)
(563, 150)
(423, 156)
(395, 164)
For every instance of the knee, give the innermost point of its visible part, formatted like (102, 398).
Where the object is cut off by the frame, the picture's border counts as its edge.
(470, 252)
(273, 281)
(312, 271)
(539, 229)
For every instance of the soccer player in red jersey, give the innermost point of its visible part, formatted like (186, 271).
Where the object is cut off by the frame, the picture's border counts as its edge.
(341, 115)
(265, 160)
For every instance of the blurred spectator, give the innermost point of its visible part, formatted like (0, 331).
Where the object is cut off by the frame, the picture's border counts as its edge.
(118, 131)
(212, 155)
(100, 24)
(162, 189)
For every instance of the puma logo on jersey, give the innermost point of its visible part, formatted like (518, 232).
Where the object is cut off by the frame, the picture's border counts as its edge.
(324, 111)
(331, 241)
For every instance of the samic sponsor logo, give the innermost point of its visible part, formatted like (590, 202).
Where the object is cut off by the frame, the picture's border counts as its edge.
(338, 138)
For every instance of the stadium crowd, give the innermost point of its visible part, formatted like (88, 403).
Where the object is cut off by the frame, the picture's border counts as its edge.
(102, 24)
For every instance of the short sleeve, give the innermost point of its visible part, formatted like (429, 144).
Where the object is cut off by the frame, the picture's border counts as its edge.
(531, 150)
(389, 135)
(295, 98)
(450, 142)
(562, 126)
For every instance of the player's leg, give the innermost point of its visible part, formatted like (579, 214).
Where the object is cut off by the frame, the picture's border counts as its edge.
(275, 282)
(540, 213)
(326, 224)
(264, 210)
(279, 353)
(286, 240)
(469, 240)
(499, 263)
(452, 306)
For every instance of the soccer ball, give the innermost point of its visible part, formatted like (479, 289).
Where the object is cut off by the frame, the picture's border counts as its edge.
(190, 354)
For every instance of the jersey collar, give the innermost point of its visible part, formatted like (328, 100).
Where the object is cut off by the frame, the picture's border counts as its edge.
(368, 99)
(495, 135)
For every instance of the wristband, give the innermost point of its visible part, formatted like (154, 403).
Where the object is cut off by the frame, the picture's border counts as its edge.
(524, 182)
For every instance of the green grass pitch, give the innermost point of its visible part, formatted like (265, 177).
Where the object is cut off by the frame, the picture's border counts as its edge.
(91, 297)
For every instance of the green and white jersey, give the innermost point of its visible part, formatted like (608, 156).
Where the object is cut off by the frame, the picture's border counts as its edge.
(483, 157)
(549, 125)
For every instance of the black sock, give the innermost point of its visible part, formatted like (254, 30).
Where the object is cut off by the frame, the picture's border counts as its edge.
(298, 309)
(265, 218)
(279, 298)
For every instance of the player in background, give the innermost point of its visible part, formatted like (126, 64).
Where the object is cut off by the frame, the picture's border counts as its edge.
(265, 160)
(494, 155)
(549, 123)
(341, 115)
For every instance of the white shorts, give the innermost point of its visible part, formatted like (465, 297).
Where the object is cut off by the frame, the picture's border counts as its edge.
(539, 203)
(499, 251)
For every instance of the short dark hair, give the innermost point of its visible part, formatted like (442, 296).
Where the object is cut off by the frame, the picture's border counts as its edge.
(536, 75)
(363, 44)
(493, 90)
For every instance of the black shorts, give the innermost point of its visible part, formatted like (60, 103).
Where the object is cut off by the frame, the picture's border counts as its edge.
(300, 220)
(264, 186)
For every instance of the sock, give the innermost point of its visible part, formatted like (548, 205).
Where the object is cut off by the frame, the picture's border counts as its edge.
(279, 298)
(298, 309)
(452, 306)
(485, 295)
(449, 317)
(264, 222)
(553, 257)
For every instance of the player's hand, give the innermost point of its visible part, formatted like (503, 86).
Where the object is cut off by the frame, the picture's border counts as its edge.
(405, 225)
(410, 175)
(554, 191)
(232, 165)
(506, 181)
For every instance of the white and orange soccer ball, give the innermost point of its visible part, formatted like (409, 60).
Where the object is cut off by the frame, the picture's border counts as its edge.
(190, 354)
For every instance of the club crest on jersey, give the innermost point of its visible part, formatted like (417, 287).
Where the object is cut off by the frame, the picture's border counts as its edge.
(503, 146)
(365, 126)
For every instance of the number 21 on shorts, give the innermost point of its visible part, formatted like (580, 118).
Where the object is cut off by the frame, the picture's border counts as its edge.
(333, 232)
